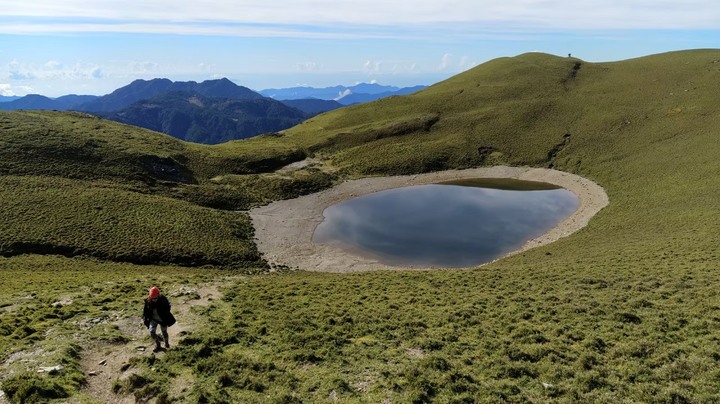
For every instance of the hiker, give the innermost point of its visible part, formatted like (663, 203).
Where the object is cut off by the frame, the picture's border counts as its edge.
(157, 312)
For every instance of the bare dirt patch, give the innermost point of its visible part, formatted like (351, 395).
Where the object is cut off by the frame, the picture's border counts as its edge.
(284, 229)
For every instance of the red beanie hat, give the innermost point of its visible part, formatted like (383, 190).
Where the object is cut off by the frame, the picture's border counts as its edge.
(154, 292)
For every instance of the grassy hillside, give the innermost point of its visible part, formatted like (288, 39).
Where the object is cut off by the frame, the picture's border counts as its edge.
(624, 310)
(73, 184)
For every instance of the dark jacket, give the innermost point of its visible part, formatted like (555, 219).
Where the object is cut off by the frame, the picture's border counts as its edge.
(163, 308)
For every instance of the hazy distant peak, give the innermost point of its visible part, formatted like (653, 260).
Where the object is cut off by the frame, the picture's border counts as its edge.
(361, 92)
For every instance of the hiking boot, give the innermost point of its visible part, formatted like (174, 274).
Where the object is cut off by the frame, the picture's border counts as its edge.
(157, 348)
(167, 344)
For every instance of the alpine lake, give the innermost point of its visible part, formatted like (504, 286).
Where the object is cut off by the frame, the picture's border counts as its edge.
(454, 224)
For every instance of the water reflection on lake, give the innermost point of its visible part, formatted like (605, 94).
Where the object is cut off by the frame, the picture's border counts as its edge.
(442, 224)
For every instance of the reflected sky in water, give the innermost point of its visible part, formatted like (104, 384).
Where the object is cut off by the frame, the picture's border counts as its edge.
(442, 225)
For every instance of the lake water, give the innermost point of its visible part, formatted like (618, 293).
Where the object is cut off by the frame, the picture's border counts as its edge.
(457, 224)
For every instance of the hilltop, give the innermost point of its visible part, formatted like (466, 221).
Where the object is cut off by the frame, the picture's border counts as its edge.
(623, 310)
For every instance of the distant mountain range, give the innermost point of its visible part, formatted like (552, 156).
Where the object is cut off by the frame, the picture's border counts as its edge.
(359, 93)
(203, 119)
(140, 90)
(213, 111)
(313, 106)
(36, 101)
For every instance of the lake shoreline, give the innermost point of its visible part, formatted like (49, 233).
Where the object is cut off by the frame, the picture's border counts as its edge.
(284, 229)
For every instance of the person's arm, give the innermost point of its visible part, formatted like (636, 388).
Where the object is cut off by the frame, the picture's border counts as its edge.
(146, 319)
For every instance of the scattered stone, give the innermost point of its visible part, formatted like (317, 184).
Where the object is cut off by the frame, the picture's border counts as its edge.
(64, 302)
(103, 362)
(125, 367)
(548, 385)
(415, 352)
(141, 348)
(92, 373)
(49, 369)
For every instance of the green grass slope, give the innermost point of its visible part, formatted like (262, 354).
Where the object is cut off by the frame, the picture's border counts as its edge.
(73, 184)
(625, 310)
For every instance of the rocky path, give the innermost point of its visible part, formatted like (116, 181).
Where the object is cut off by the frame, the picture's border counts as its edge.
(105, 363)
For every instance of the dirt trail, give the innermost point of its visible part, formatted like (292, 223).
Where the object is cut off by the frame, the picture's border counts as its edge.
(284, 229)
(104, 363)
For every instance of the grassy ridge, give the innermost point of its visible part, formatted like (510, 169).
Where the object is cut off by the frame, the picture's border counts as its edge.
(623, 310)
(75, 145)
(520, 108)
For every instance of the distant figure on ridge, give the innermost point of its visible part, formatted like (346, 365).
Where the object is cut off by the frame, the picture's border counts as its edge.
(157, 312)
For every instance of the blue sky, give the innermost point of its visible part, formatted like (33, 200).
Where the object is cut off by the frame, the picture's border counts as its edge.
(56, 47)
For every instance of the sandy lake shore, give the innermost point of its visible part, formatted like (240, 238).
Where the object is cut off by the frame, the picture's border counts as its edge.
(284, 229)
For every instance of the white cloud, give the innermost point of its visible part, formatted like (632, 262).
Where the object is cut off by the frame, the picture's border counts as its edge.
(466, 64)
(343, 94)
(80, 71)
(53, 65)
(309, 66)
(206, 67)
(17, 71)
(445, 63)
(97, 73)
(144, 67)
(545, 14)
(6, 90)
(372, 66)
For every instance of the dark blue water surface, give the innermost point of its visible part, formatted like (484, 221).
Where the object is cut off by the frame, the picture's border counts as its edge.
(443, 225)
